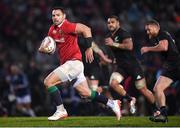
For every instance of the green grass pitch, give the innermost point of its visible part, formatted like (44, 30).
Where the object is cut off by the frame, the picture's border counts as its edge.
(87, 121)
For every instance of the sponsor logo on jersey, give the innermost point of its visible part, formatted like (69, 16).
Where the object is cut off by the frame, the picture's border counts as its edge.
(61, 40)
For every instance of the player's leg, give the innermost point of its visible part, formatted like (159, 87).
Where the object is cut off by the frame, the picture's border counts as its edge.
(115, 80)
(161, 84)
(50, 81)
(27, 105)
(141, 86)
(81, 86)
(66, 72)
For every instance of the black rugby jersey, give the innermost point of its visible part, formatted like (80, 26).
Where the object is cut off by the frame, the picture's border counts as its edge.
(172, 55)
(122, 55)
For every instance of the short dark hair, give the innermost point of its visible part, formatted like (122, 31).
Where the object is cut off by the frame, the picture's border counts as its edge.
(153, 22)
(58, 7)
(115, 17)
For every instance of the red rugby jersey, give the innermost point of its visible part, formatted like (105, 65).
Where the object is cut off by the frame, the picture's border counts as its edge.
(66, 41)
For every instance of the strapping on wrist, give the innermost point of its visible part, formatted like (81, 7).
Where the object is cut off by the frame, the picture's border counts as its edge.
(115, 45)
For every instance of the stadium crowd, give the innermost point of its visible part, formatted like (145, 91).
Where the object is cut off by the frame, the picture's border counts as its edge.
(24, 24)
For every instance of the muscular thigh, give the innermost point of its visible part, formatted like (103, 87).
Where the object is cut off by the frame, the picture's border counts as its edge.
(162, 83)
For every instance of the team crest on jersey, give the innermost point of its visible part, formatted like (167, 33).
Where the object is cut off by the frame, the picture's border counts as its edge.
(138, 77)
(61, 32)
(116, 39)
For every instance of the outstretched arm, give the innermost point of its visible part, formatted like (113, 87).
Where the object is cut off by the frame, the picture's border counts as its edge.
(161, 46)
(86, 32)
(91, 46)
(97, 50)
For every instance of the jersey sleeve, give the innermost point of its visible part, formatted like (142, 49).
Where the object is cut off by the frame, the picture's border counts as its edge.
(125, 35)
(164, 36)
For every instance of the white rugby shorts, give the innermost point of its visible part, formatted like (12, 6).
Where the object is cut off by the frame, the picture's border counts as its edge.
(72, 69)
(24, 100)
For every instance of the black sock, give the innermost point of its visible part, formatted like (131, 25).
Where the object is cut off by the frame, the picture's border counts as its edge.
(154, 107)
(55, 94)
(163, 110)
(128, 97)
(98, 97)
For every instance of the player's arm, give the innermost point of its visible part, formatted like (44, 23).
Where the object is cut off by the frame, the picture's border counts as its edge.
(126, 44)
(86, 32)
(91, 46)
(161, 46)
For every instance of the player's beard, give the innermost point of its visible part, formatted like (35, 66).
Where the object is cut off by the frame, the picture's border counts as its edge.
(113, 31)
(56, 23)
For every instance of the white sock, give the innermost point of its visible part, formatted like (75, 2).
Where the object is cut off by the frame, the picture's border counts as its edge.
(60, 107)
(110, 103)
(31, 113)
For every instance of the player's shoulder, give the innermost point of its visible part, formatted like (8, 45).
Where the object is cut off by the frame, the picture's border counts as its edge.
(123, 33)
(122, 30)
(67, 22)
(164, 33)
(52, 27)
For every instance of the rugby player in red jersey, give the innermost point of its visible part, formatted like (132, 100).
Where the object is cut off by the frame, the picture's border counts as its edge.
(65, 34)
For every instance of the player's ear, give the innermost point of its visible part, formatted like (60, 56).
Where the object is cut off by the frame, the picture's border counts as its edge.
(64, 16)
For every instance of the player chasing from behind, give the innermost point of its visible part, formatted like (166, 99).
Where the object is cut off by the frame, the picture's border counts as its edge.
(65, 34)
(120, 42)
(165, 44)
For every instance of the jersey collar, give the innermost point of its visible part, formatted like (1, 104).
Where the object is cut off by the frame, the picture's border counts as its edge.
(61, 23)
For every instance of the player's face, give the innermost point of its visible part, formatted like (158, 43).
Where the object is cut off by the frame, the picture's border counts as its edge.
(151, 30)
(57, 16)
(112, 24)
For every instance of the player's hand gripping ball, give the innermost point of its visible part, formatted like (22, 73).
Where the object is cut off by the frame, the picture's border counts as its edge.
(49, 45)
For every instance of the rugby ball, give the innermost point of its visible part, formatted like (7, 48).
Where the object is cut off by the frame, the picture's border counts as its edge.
(49, 44)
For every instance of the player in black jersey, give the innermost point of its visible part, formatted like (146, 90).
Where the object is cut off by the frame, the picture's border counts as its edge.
(165, 44)
(120, 41)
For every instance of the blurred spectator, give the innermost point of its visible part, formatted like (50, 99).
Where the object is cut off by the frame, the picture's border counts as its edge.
(20, 89)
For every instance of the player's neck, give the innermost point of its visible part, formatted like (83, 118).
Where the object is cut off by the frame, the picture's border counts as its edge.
(61, 23)
(113, 33)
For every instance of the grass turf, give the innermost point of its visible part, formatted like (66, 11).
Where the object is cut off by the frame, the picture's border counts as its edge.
(84, 121)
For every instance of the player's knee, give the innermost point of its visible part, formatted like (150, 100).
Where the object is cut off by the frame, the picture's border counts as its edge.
(47, 82)
(85, 93)
(115, 79)
(141, 85)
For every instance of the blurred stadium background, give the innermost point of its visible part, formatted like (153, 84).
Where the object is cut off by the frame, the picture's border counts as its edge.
(24, 23)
